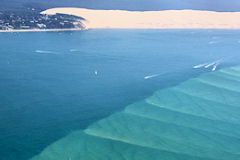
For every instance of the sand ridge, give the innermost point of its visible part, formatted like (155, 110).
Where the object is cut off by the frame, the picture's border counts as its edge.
(168, 19)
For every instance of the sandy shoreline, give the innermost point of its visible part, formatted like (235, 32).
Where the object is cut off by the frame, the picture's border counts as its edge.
(40, 30)
(65, 30)
(169, 19)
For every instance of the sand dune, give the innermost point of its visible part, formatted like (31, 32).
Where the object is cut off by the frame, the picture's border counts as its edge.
(153, 19)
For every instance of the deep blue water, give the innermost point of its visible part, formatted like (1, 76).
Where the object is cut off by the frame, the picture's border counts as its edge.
(52, 83)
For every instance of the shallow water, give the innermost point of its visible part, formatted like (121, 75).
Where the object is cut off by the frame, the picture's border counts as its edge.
(189, 121)
(49, 90)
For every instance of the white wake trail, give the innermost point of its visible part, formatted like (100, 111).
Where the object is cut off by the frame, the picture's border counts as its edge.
(44, 51)
(199, 65)
(151, 76)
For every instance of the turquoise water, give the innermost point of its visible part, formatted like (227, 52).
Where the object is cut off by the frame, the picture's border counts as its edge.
(67, 95)
(197, 119)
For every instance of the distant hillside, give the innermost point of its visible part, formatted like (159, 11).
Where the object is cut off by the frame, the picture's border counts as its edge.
(140, 5)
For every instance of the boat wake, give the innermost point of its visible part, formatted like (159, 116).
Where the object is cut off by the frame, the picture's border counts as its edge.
(73, 50)
(199, 65)
(151, 76)
(214, 67)
(44, 52)
(212, 42)
(207, 65)
(210, 64)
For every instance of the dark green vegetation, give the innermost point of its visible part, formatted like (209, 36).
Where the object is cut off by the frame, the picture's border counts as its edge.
(196, 120)
(34, 20)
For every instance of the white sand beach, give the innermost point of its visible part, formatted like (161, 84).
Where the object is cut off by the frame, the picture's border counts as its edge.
(169, 19)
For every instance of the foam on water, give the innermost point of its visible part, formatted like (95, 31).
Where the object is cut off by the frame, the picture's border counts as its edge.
(195, 120)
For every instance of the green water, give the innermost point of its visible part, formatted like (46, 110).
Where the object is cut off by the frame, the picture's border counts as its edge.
(49, 92)
(198, 119)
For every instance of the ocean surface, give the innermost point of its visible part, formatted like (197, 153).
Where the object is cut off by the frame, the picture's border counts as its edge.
(120, 94)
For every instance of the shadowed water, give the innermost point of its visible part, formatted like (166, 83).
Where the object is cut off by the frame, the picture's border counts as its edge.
(196, 120)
